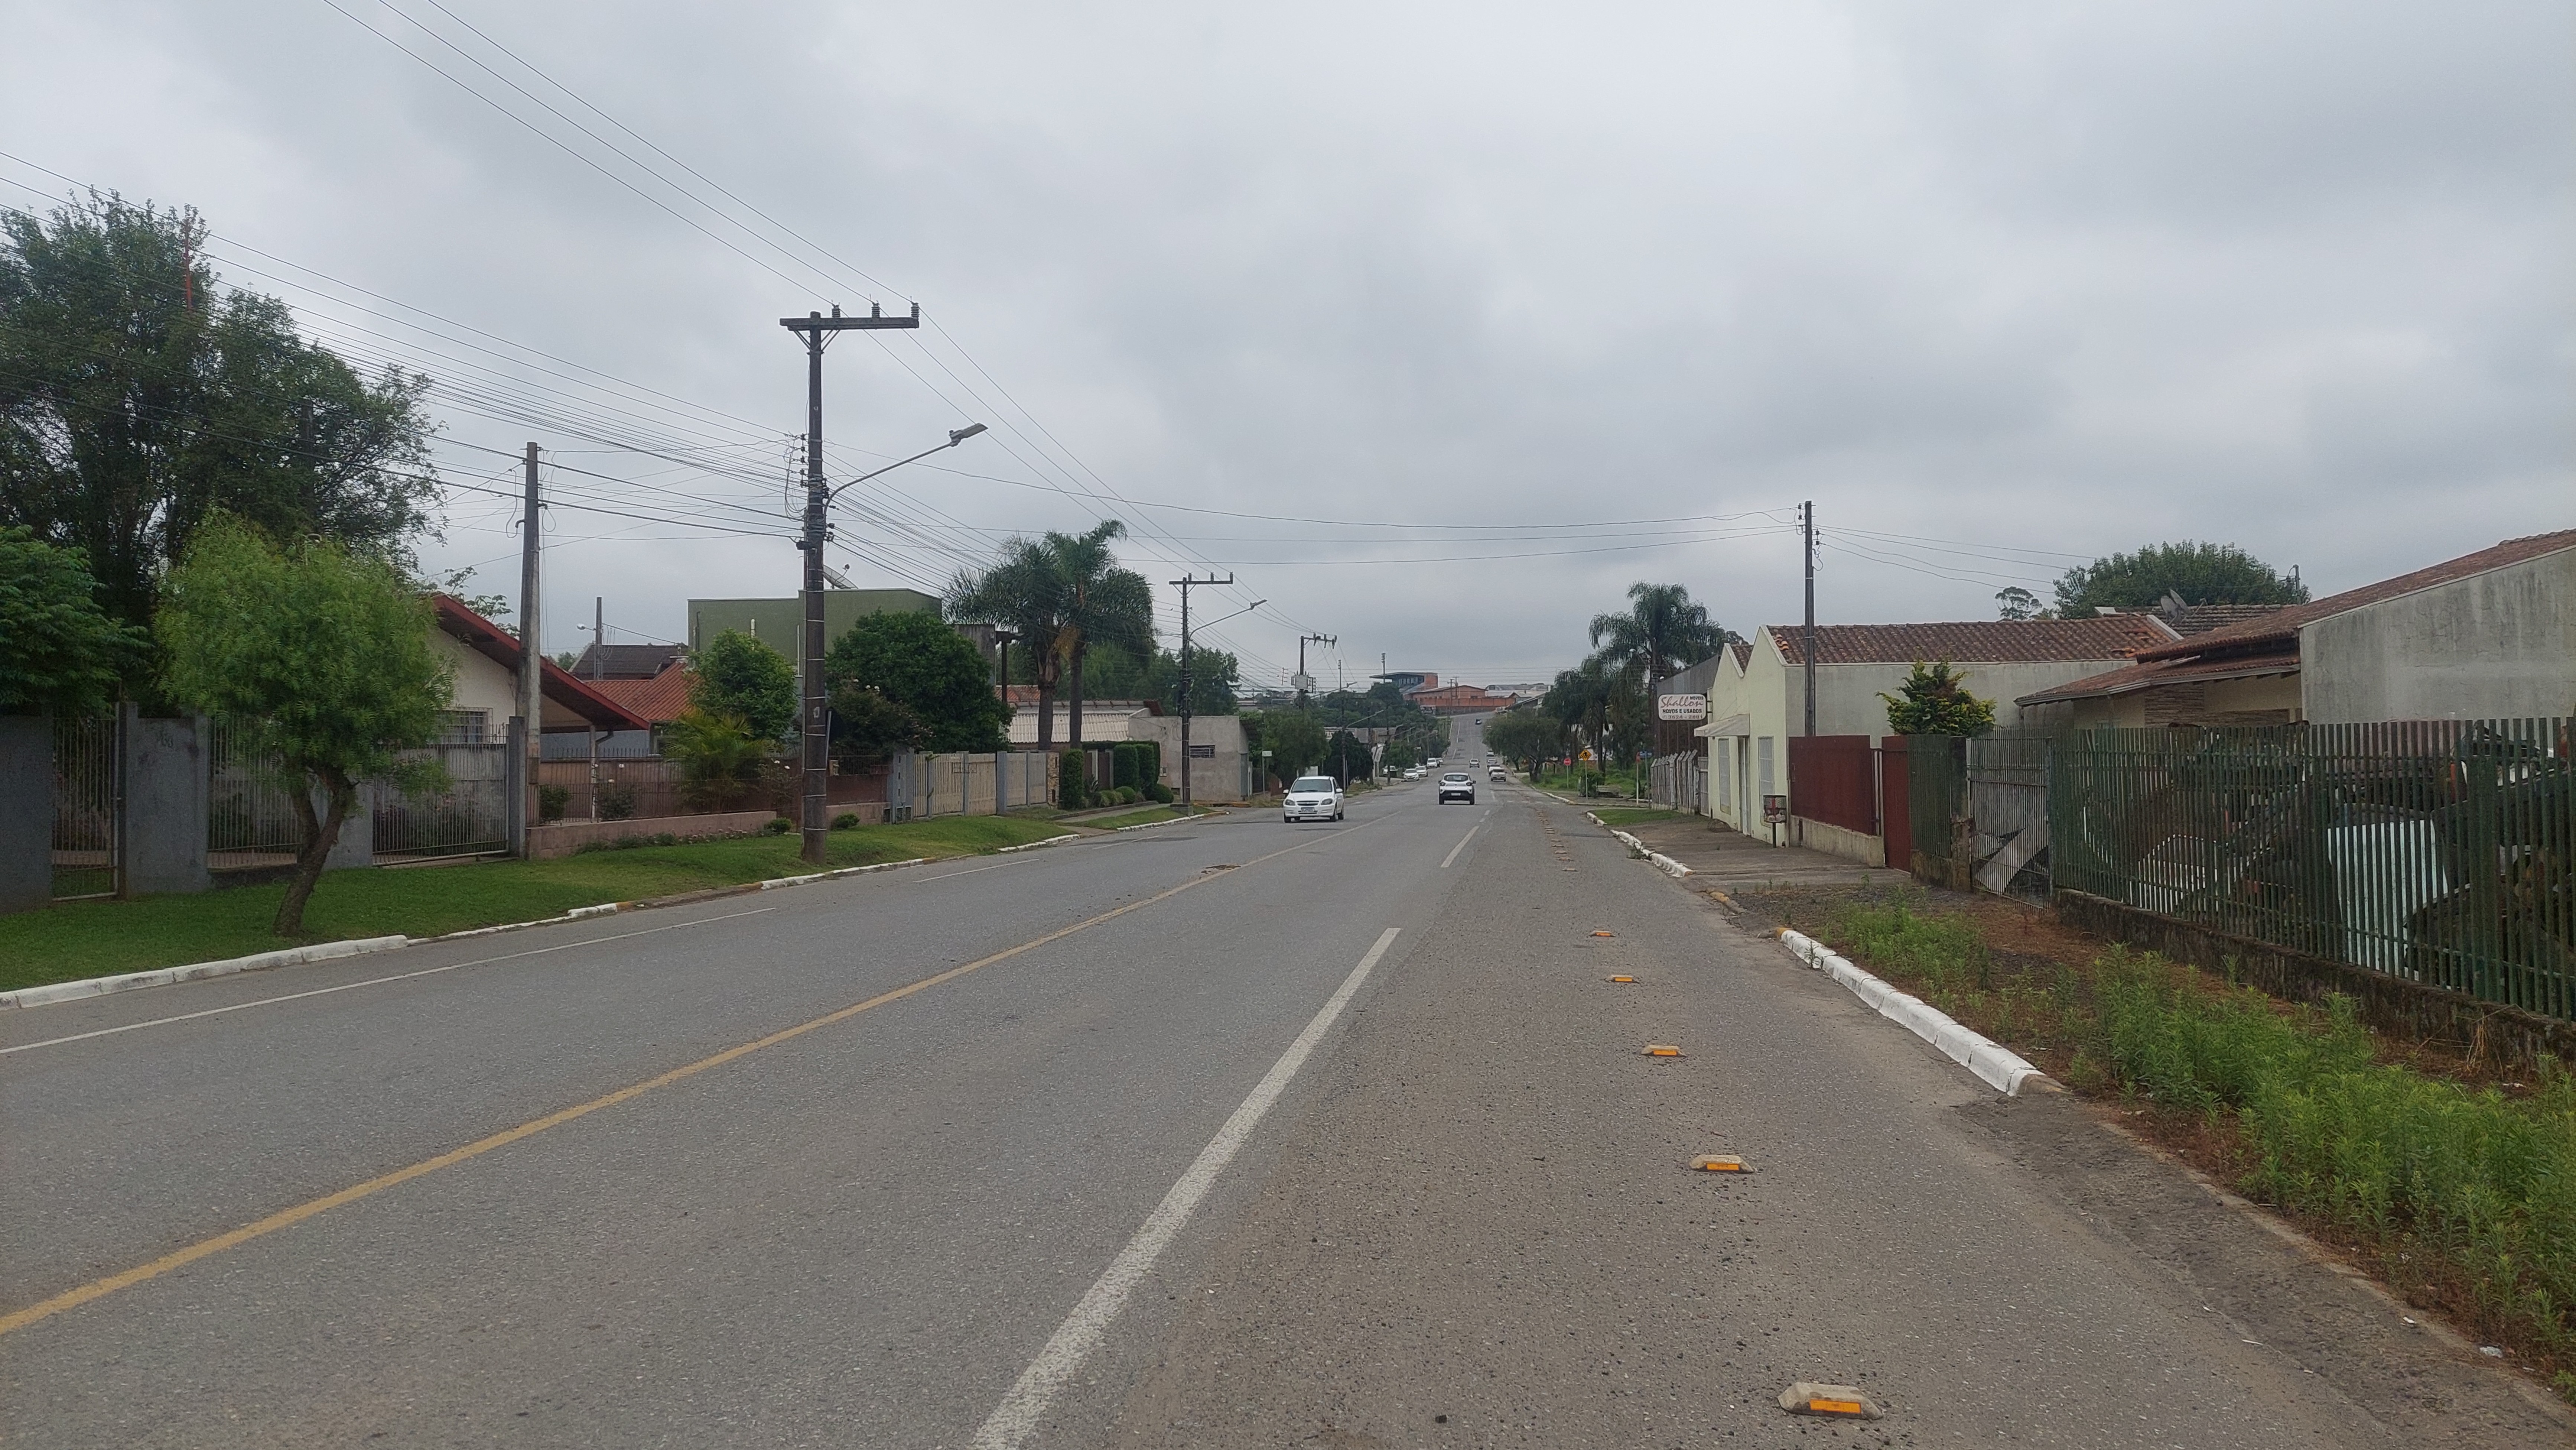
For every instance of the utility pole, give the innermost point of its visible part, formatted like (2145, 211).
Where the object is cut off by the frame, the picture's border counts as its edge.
(1807, 645)
(598, 663)
(1185, 584)
(816, 329)
(532, 663)
(1303, 682)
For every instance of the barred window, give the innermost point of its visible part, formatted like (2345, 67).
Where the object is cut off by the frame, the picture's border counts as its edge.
(464, 727)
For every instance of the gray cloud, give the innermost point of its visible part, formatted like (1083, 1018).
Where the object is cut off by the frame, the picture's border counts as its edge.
(2033, 277)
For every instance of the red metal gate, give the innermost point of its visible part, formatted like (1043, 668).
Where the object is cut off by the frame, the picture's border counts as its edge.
(1831, 780)
(1896, 818)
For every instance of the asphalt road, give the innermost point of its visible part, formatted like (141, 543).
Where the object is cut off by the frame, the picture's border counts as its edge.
(1118, 1143)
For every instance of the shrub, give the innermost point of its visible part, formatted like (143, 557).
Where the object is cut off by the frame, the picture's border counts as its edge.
(1071, 791)
(617, 802)
(1158, 792)
(777, 826)
(846, 821)
(551, 800)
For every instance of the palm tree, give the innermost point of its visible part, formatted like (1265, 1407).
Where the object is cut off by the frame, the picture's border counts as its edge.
(1061, 594)
(1663, 628)
(1103, 604)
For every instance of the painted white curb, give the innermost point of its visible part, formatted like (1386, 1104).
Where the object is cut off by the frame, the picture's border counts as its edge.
(777, 882)
(2000, 1067)
(165, 976)
(1034, 845)
(1663, 863)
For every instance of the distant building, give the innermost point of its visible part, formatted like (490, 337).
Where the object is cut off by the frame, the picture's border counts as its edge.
(1459, 699)
(776, 622)
(485, 658)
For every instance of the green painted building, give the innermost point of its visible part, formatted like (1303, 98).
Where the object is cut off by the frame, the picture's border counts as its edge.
(774, 622)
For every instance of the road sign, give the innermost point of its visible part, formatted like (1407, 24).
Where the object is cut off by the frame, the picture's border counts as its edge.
(1586, 756)
(1681, 707)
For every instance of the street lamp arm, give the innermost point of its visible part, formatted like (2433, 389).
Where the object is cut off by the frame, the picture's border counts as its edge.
(955, 437)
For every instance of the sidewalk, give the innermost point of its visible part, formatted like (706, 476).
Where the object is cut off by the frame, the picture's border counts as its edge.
(1722, 857)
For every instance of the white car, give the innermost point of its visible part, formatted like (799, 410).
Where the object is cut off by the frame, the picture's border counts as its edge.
(1415, 773)
(1457, 785)
(1312, 798)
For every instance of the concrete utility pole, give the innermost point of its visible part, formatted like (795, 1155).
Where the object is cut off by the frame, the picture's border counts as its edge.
(1807, 645)
(816, 723)
(532, 663)
(598, 662)
(1303, 682)
(1185, 584)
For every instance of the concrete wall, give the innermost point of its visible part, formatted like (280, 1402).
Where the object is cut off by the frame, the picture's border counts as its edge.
(1833, 840)
(165, 806)
(26, 812)
(481, 684)
(2258, 700)
(1217, 777)
(567, 837)
(2497, 645)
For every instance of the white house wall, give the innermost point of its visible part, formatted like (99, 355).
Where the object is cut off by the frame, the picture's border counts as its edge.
(2497, 645)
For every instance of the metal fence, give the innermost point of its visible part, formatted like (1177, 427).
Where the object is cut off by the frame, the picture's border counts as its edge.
(250, 813)
(86, 850)
(1936, 775)
(2437, 851)
(469, 818)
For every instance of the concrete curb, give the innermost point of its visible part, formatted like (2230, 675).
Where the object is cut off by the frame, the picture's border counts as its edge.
(1157, 825)
(53, 992)
(1998, 1066)
(1034, 845)
(1663, 863)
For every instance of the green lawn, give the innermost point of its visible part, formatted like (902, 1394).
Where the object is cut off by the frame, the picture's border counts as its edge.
(1628, 816)
(1146, 817)
(97, 938)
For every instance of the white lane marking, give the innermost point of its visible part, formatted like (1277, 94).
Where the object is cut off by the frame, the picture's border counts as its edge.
(373, 982)
(1021, 1410)
(1462, 844)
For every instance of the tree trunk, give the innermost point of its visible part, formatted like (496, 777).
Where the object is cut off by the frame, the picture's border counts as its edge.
(1046, 677)
(1073, 726)
(320, 835)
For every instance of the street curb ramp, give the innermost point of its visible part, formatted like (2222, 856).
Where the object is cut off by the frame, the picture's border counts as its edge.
(1998, 1066)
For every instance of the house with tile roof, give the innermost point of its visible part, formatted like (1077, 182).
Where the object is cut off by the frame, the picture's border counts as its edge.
(485, 658)
(2488, 635)
(1758, 700)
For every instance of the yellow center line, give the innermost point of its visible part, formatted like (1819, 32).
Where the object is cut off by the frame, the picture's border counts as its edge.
(289, 1217)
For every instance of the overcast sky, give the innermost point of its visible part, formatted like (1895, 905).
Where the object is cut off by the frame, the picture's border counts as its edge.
(2001, 287)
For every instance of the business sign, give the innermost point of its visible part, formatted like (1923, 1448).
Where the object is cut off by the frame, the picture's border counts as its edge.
(1681, 707)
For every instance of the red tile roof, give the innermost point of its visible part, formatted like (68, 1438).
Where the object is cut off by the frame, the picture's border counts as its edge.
(659, 699)
(2164, 672)
(2282, 626)
(558, 684)
(1980, 641)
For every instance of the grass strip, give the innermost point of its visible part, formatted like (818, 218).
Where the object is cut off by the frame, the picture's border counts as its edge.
(2463, 1195)
(78, 939)
(1146, 817)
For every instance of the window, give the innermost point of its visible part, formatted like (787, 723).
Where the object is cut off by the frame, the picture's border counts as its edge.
(1725, 779)
(1762, 754)
(464, 727)
(1314, 785)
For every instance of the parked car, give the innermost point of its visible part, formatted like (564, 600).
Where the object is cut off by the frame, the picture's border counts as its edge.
(1458, 785)
(1416, 773)
(1312, 798)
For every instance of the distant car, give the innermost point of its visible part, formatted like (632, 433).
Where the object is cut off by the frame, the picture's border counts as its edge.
(1312, 798)
(1416, 773)
(1496, 772)
(1457, 785)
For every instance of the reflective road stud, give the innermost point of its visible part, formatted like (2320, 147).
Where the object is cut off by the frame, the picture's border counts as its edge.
(1623, 979)
(1720, 1163)
(1605, 933)
(1839, 1401)
(1658, 1049)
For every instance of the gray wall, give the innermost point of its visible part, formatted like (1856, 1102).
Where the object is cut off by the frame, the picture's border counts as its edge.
(165, 806)
(2498, 645)
(26, 812)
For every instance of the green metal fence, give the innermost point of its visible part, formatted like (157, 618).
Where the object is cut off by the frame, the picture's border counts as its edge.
(1936, 790)
(2438, 851)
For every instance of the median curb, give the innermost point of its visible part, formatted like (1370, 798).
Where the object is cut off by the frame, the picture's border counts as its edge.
(53, 992)
(1663, 863)
(1997, 1066)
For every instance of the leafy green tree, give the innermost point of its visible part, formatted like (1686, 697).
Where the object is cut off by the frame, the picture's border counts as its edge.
(1061, 594)
(1021, 592)
(1346, 757)
(58, 649)
(1103, 604)
(739, 676)
(136, 400)
(322, 655)
(2015, 604)
(722, 760)
(919, 662)
(1934, 700)
(1525, 734)
(867, 728)
(1293, 738)
(1215, 678)
(2199, 573)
